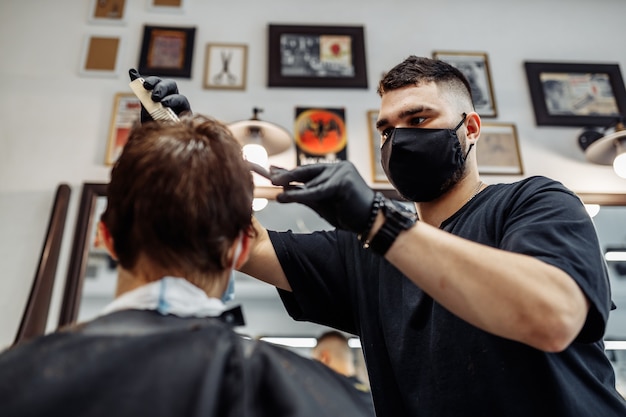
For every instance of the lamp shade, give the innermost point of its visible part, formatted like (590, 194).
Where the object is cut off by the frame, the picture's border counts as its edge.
(272, 137)
(604, 150)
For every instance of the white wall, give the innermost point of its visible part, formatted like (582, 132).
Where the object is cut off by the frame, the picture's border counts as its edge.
(54, 123)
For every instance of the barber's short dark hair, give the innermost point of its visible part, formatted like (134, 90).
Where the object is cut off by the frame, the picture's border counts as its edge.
(179, 194)
(415, 70)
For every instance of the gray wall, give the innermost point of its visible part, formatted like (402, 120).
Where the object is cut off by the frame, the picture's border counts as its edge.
(54, 123)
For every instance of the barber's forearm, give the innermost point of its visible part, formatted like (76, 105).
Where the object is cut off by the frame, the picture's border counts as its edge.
(263, 263)
(511, 295)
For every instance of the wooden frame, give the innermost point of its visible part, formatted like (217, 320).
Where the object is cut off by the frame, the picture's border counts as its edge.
(316, 56)
(475, 67)
(576, 94)
(378, 174)
(498, 151)
(126, 112)
(35, 315)
(107, 11)
(80, 249)
(100, 56)
(167, 51)
(225, 66)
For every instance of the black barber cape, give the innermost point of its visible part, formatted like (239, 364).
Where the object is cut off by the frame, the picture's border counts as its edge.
(140, 363)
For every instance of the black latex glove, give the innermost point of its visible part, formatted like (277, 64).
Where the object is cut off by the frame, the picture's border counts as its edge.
(335, 191)
(164, 91)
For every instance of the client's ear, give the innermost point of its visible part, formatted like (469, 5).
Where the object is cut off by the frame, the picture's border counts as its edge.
(103, 237)
(245, 251)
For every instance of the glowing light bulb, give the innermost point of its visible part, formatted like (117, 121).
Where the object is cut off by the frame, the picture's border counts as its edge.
(619, 165)
(256, 153)
(259, 204)
(592, 209)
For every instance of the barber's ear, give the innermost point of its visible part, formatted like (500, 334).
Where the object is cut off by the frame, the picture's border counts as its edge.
(104, 238)
(472, 127)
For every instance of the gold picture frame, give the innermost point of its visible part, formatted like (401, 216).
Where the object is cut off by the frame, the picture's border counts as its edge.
(378, 174)
(225, 66)
(498, 151)
(126, 112)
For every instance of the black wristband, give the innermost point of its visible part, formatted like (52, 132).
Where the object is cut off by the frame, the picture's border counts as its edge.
(396, 220)
(379, 201)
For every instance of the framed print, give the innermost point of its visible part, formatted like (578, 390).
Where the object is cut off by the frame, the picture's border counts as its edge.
(126, 111)
(378, 175)
(100, 56)
(168, 6)
(497, 150)
(316, 56)
(475, 67)
(107, 11)
(225, 66)
(576, 94)
(320, 135)
(167, 51)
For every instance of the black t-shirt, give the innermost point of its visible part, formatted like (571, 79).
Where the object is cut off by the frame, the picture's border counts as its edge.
(423, 360)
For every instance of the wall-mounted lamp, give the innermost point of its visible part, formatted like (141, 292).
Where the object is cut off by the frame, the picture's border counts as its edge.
(606, 149)
(260, 139)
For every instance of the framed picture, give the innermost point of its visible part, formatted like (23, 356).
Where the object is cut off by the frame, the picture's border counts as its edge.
(316, 56)
(571, 94)
(107, 11)
(167, 51)
(320, 135)
(225, 66)
(378, 175)
(167, 6)
(126, 111)
(475, 67)
(99, 56)
(497, 150)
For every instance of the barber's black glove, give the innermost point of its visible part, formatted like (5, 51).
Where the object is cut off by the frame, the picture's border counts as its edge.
(164, 91)
(335, 191)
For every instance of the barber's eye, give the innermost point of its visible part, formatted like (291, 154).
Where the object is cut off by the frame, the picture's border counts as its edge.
(386, 133)
(417, 121)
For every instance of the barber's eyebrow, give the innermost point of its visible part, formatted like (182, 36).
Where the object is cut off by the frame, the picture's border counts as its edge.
(408, 112)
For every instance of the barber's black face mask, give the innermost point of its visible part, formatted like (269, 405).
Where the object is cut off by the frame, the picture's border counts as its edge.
(419, 162)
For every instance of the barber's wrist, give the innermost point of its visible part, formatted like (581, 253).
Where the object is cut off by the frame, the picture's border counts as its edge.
(391, 220)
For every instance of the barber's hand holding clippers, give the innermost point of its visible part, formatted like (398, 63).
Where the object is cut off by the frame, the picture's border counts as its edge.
(161, 91)
(335, 191)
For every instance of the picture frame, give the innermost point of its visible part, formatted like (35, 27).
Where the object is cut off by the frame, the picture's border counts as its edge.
(166, 6)
(225, 66)
(498, 150)
(126, 112)
(475, 67)
(100, 56)
(167, 51)
(108, 11)
(576, 94)
(316, 56)
(378, 174)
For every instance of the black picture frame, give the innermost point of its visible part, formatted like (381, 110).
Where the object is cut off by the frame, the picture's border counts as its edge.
(576, 94)
(475, 66)
(167, 51)
(338, 56)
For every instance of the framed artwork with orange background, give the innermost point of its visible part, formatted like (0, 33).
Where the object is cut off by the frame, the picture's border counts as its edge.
(126, 111)
(320, 135)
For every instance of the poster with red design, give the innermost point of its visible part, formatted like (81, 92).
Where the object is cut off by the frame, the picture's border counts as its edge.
(320, 135)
